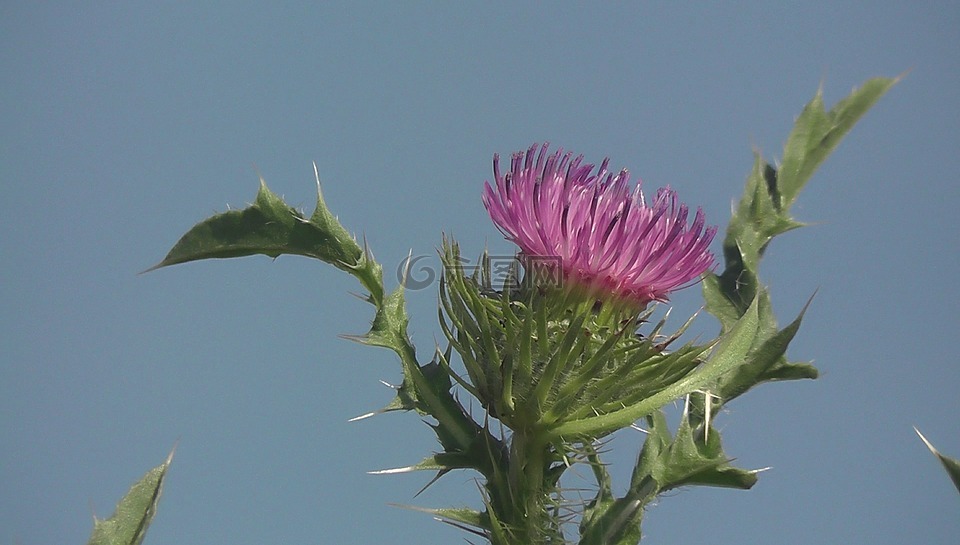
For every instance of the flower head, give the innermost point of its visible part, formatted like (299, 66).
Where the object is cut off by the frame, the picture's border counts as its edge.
(604, 236)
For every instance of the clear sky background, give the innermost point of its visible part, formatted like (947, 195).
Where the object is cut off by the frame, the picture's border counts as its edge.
(125, 124)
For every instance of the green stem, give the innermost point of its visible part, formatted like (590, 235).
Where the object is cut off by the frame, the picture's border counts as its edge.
(521, 500)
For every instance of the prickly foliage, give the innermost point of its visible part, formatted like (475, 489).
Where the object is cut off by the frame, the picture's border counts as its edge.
(554, 373)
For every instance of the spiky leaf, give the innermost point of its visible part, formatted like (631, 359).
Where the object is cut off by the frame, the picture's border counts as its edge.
(727, 355)
(271, 227)
(950, 465)
(134, 513)
(817, 133)
(764, 213)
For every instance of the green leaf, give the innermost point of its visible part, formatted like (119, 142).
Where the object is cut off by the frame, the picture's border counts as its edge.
(764, 213)
(691, 460)
(271, 227)
(728, 354)
(463, 515)
(438, 462)
(951, 465)
(665, 463)
(612, 522)
(466, 519)
(606, 518)
(654, 446)
(133, 514)
(817, 133)
(765, 362)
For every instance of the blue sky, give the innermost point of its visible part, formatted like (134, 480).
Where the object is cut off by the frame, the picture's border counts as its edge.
(125, 124)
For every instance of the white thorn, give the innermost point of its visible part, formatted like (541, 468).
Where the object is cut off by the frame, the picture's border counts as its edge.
(393, 471)
(367, 252)
(316, 173)
(362, 417)
(925, 442)
(406, 269)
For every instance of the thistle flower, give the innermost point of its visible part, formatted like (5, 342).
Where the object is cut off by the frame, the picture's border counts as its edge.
(604, 237)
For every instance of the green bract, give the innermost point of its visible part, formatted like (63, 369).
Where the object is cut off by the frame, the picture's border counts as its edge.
(538, 357)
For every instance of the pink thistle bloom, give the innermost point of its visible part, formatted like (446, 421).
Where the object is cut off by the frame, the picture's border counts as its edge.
(604, 236)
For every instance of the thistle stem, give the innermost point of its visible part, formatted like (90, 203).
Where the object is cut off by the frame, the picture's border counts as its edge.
(525, 493)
